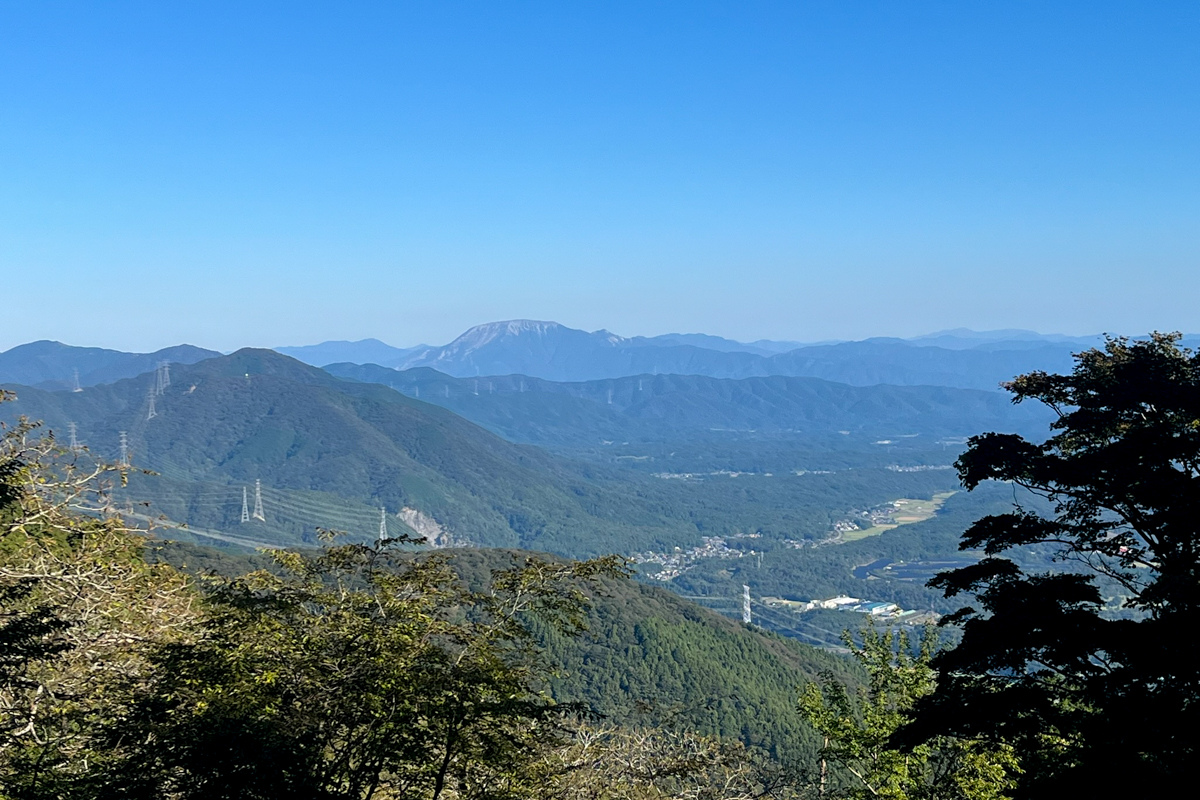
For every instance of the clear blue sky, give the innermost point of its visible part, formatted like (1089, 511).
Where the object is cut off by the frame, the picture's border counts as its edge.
(262, 174)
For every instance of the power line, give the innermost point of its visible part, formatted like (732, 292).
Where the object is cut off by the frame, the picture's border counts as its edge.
(769, 611)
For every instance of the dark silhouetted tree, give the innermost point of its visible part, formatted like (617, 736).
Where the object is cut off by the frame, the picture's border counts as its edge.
(1091, 671)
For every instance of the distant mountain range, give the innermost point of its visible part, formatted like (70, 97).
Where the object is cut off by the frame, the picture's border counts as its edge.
(679, 407)
(956, 358)
(548, 350)
(54, 365)
(373, 351)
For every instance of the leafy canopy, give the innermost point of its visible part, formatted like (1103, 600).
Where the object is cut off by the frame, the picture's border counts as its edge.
(858, 728)
(1090, 670)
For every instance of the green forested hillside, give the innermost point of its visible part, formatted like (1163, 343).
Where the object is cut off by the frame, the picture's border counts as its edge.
(329, 452)
(648, 657)
(333, 453)
(684, 407)
(54, 365)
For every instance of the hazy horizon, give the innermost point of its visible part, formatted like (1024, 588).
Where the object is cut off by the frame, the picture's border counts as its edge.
(438, 343)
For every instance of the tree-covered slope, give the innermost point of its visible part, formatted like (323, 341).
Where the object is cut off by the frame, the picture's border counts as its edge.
(648, 657)
(678, 407)
(332, 453)
(54, 365)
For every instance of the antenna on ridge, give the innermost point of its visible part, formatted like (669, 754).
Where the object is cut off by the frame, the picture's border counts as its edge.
(245, 506)
(383, 534)
(77, 387)
(74, 440)
(124, 449)
(745, 604)
(258, 509)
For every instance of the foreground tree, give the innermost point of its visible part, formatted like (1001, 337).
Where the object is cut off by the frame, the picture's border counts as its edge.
(1098, 697)
(609, 762)
(355, 672)
(81, 612)
(858, 729)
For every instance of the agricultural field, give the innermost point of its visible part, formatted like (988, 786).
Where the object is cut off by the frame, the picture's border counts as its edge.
(905, 511)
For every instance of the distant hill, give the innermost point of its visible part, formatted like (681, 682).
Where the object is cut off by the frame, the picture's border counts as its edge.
(708, 342)
(53, 365)
(364, 351)
(905, 364)
(555, 352)
(1005, 339)
(675, 407)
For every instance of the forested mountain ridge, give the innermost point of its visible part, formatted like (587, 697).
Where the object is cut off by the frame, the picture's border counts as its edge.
(677, 407)
(258, 415)
(53, 365)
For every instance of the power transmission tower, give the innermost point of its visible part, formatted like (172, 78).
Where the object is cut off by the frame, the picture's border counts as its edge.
(124, 450)
(258, 509)
(245, 506)
(383, 534)
(152, 413)
(610, 397)
(166, 379)
(77, 387)
(158, 378)
(74, 438)
(745, 604)
(477, 388)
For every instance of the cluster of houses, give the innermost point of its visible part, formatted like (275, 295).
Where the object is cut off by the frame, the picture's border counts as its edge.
(679, 561)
